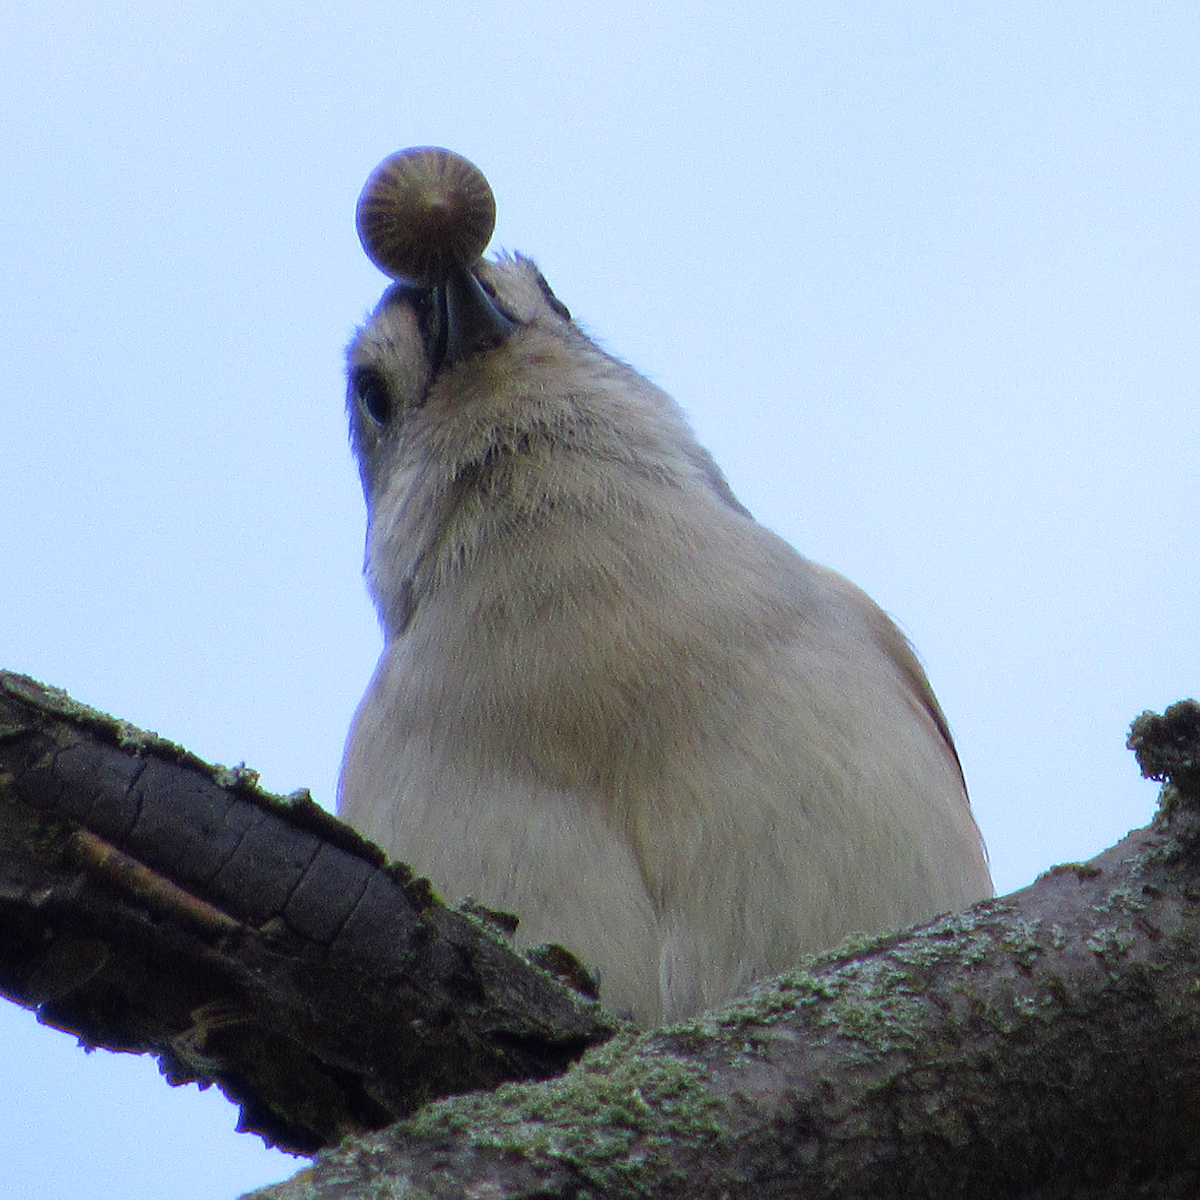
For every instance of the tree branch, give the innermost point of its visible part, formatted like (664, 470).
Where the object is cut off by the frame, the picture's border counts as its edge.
(1042, 1045)
(151, 902)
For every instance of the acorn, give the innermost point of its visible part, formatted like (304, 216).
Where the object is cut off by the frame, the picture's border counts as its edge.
(423, 212)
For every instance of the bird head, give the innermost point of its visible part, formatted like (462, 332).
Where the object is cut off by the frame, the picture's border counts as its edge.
(481, 414)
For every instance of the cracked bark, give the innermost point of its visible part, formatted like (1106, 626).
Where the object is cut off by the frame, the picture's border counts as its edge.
(151, 902)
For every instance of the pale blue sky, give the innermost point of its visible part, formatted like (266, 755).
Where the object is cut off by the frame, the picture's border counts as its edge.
(925, 277)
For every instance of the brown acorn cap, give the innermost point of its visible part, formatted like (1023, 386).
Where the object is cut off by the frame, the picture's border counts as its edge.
(424, 211)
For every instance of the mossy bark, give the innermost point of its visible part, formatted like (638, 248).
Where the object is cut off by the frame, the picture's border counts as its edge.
(152, 902)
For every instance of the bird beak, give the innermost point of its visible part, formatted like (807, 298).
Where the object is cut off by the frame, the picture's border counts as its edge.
(470, 318)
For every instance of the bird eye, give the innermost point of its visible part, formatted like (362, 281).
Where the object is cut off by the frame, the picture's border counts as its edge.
(373, 395)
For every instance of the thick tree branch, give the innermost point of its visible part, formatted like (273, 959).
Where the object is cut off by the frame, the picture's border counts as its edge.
(1042, 1045)
(150, 902)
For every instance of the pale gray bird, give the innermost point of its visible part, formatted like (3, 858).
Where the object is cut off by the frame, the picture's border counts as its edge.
(609, 701)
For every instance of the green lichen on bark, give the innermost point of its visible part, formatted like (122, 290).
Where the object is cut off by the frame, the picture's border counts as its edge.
(614, 1120)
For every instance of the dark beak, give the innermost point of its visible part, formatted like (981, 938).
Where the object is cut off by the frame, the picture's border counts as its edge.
(471, 321)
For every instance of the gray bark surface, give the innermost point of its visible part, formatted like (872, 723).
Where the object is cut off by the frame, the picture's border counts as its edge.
(1040, 1045)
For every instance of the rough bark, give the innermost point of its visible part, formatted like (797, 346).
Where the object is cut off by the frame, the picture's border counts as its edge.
(1046, 1044)
(151, 902)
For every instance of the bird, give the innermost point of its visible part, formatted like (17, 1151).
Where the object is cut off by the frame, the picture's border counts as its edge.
(610, 701)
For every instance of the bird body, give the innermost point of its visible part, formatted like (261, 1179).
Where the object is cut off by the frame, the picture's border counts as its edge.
(610, 701)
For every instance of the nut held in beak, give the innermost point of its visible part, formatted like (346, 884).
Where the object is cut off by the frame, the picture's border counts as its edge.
(423, 212)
